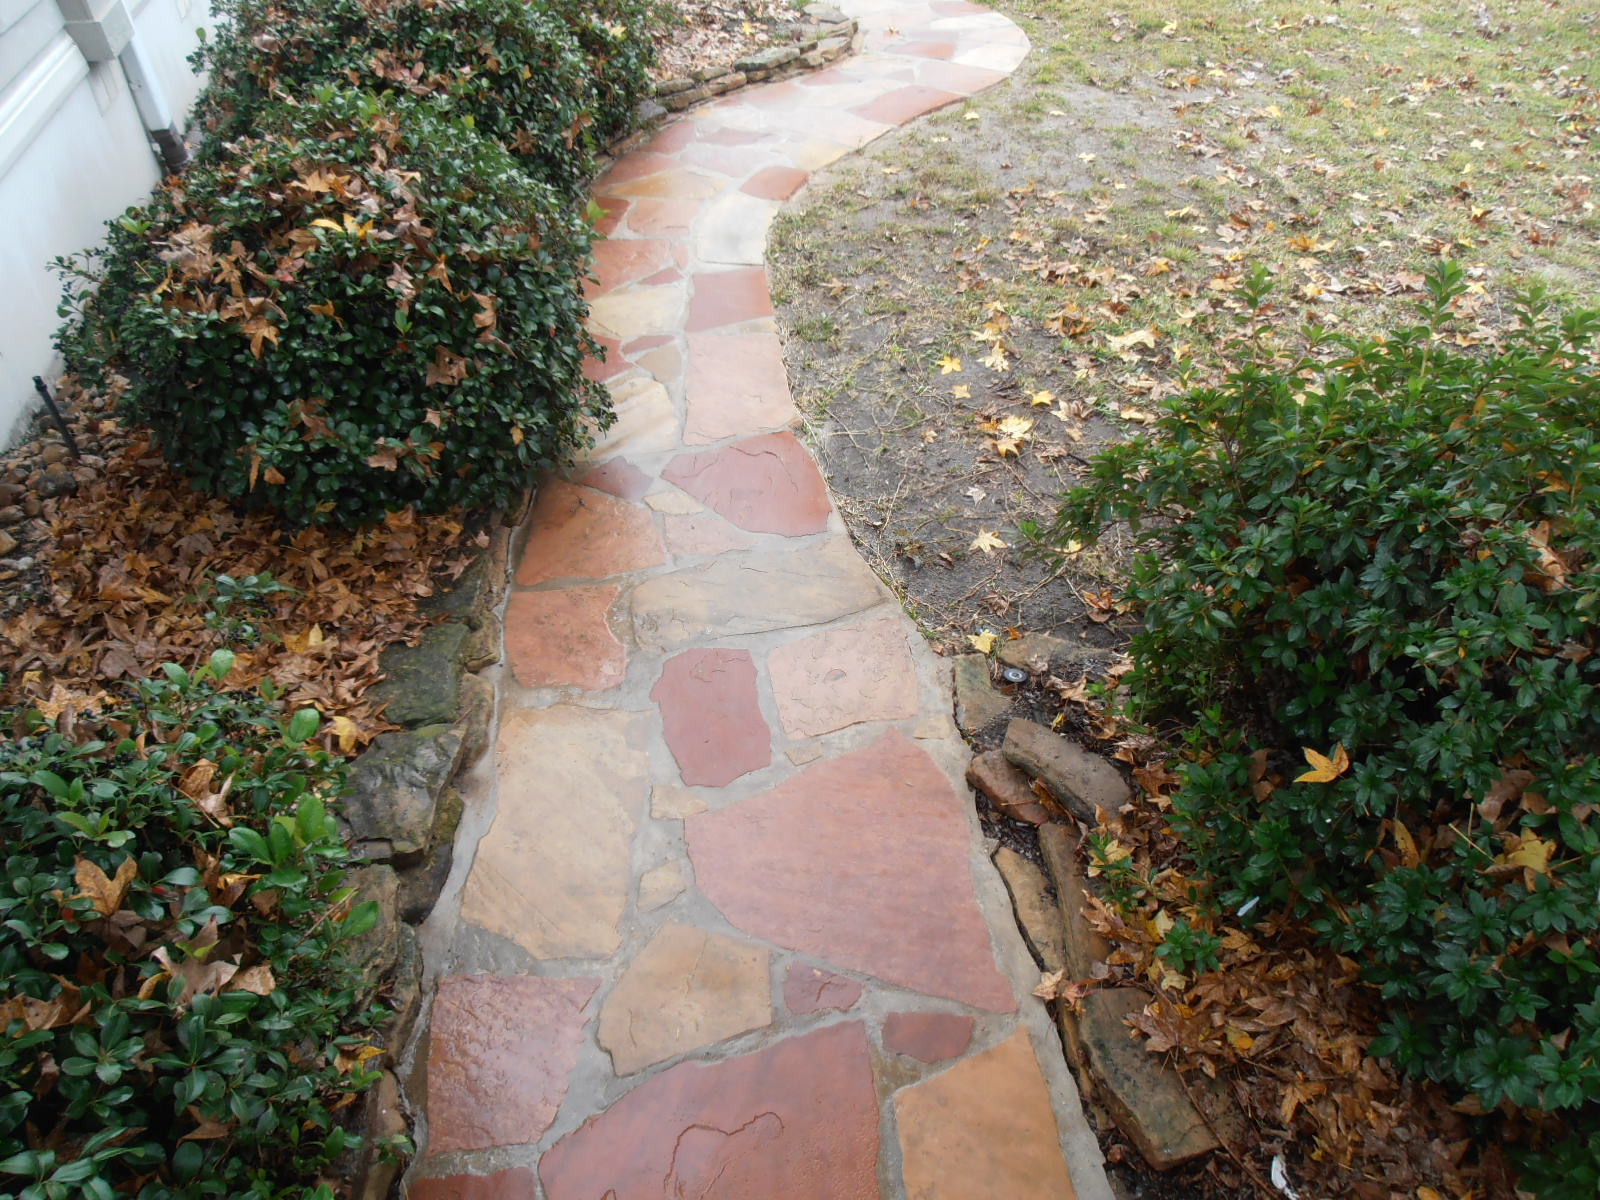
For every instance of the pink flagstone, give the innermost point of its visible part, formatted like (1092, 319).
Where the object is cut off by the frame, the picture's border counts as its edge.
(863, 860)
(766, 484)
(500, 1051)
(577, 533)
(932, 1037)
(811, 990)
(562, 639)
(711, 716)
(798, 1120)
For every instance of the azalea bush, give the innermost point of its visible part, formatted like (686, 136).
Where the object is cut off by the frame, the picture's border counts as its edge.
(1370, 577)
(179, 1020)
(364, 306)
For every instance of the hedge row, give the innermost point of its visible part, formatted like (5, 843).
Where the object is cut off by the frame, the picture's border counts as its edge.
(366, 293)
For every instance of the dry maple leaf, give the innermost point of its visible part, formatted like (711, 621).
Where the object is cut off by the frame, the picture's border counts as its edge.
(107, 892)
(948, 365)
(983, 642)
(987, 541)
(1324, 768)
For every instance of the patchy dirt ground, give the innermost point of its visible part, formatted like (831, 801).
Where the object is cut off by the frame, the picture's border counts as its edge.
(976, 303)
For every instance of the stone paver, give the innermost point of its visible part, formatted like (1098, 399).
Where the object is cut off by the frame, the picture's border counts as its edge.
(687, 988)
(579, 533)
(797, 1120)
(500, 1052)
(721, 911)
(710, 714)
(766, 484)
(811, 990)
(932, 1037)
(881, 884)
(844, 677)
(554, 871)
(983, 1128)
(561, 639)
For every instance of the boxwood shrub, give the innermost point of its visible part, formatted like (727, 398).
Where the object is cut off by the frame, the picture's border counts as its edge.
(547, 80)
(177, 1019)
(365, 305)
(1388, 551)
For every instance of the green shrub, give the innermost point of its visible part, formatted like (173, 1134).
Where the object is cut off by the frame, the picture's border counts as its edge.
(543, 80)
(172, 994)
(364, 307)
(1390, 547)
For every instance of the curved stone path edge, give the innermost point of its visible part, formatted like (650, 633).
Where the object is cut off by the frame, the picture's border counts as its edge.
(720, 923)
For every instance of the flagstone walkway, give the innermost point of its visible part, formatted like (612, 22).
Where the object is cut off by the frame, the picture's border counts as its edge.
(721, 924)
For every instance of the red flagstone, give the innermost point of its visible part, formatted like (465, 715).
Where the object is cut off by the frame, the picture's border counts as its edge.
(515, 1184)
(728, 297)
(898, 107)
(775, 183)
(619, 478)
(674, 137)
(735, 384)
(499, 1053)
(577, 534)
(798, 1120)
(628, 260)
(932, 1037)
(562, 639)
(766, 484)
(863, 861)
(811, 990)
(711, 716)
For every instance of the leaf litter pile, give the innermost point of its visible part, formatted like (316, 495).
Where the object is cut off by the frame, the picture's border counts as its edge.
(975, 303)
(125, 576)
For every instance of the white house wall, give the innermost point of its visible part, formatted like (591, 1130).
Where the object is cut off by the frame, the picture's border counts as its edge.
(73, 154)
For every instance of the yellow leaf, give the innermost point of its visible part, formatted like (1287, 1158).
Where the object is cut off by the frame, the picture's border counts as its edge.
(996, 359)
(987, 542)
(1016, 427)
(347, 731)
(1124, 343)
(1427, 1193)
(949, 365)
(1323, 768)
(1529, 853)
(324, 223)
(983, 643)
(1072, 547)
(1042, 399)
(1409, 857)
(302, 643)
(971, 116)
(961, 392)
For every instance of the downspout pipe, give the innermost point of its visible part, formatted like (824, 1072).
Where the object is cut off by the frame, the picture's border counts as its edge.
(152, 104)
(103, 30)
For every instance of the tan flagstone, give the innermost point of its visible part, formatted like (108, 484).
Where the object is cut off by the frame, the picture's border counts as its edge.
(729, 597)
(983, 1128)
(554, 871)
(844, 677)
(686, 989)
